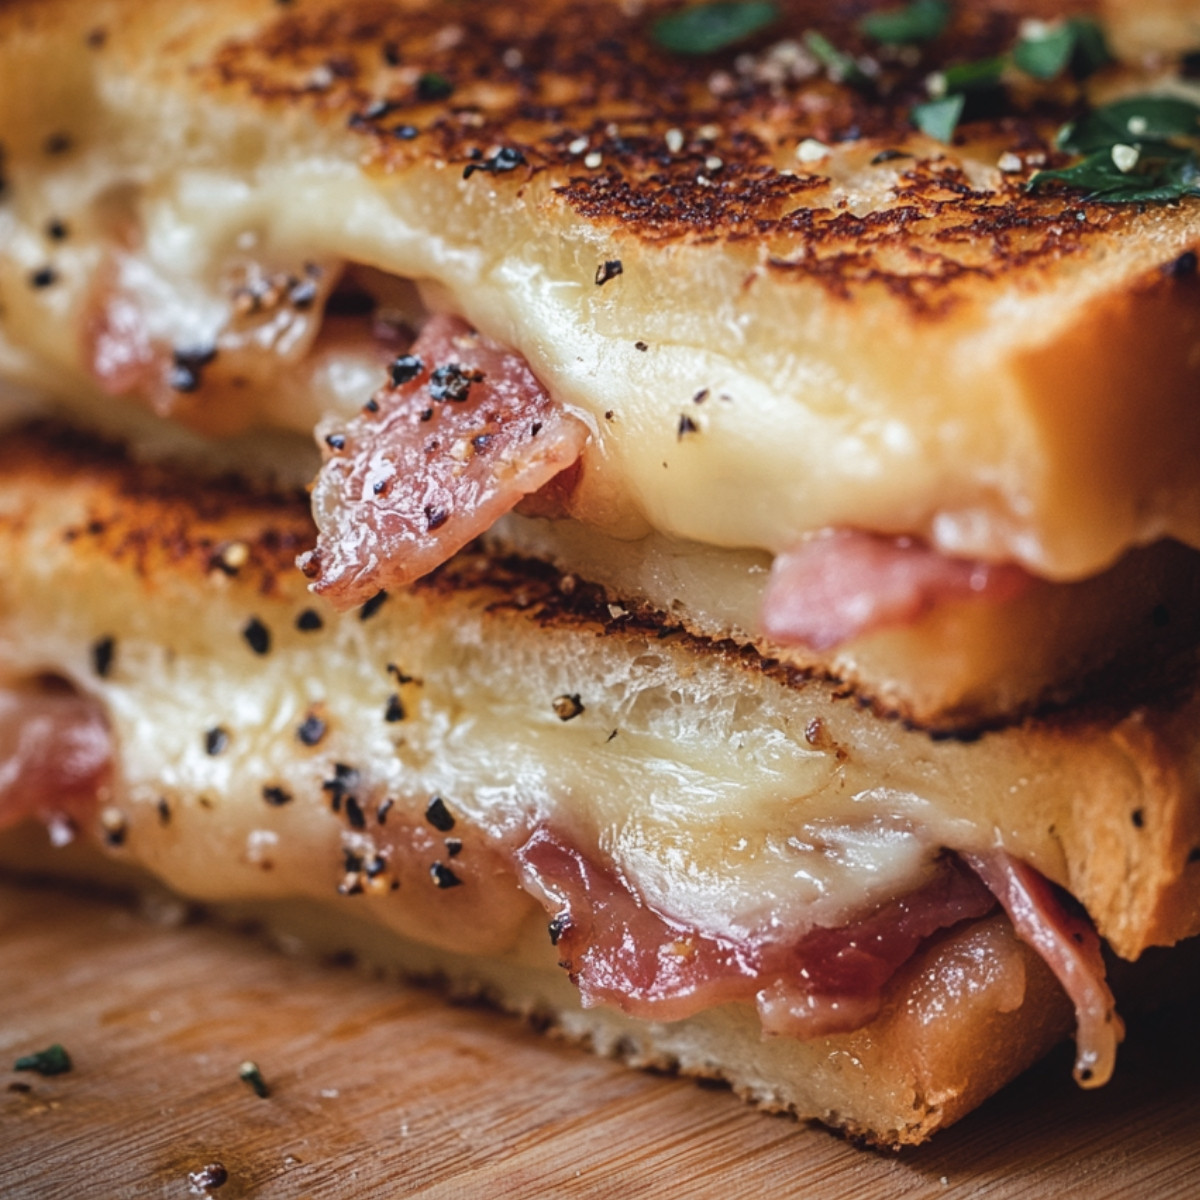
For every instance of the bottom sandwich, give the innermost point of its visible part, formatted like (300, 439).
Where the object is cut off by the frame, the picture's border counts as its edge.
(669, 847)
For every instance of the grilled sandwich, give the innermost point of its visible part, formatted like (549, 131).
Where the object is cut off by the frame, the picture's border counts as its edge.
(753, 522)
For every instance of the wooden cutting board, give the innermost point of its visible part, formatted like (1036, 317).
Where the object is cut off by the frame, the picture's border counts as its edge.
(382, 1090)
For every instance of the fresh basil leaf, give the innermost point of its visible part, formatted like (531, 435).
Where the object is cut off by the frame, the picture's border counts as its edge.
(919, 21)
(1046, 57)
(938, 119)
(1137, 119)
(707, 28)
(841, 66)
(1161, 174)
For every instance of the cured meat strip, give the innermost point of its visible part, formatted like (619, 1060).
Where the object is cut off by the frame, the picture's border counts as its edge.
(461, 435)
(1070, 948)
(55, 758)
(831, 981)
(623, 953)
(846, 583)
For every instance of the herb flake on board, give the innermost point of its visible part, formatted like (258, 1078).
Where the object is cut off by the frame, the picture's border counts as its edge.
(54, 1060)
(250, 1075)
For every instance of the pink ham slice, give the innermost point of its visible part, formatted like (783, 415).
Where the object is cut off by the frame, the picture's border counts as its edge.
(465, 433)
(843, 584)
(623, 953)
(1071, 950)
(55, 758)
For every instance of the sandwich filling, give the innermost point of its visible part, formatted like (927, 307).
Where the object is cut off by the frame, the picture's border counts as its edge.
(806, 981)
(698, 827)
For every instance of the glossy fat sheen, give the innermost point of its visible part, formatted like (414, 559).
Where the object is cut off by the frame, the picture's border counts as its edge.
(913, 347)
(721, 771)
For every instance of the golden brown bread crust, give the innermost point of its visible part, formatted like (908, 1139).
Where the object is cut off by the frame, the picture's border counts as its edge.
(949, 356)
(537, 77)
(583, 66)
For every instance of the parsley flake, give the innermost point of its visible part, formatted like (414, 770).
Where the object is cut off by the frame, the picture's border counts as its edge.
(54, 1060)
(918, 21)
(1136, 119)
(1045, 56)
(1132, 152)
(1077, 43)
(980, 76)
(1160, 173)
(840, 66)
(250, 1075)
(938, 119)
(707, 28)
(434, 86)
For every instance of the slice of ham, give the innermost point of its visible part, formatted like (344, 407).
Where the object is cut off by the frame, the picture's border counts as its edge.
(465, 433)
(832, 980)
(55, 759)
(621, 952)
(845, 583)
(1070, 948)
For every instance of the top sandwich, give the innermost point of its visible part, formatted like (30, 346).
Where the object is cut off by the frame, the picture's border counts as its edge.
(759, 353)
(857, 348)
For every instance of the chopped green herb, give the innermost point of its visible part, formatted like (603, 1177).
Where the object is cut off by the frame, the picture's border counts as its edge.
(978, 76)
(54, 1060)
(707, 28)
(1046, 56)
(1091, 47)
(939, 118)
(1160, 172)
(1132, 152)
(1138, 119)
(918, 21)
(1078, 43)
(249, 1073)
(433, 86)
(841, 66)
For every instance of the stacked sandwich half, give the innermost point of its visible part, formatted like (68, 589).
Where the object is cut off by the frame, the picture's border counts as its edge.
(745, 603)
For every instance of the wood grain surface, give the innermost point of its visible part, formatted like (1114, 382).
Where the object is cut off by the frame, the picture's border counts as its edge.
(381, 1090)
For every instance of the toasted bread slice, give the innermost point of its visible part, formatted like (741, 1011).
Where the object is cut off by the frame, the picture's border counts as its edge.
(778, 307)
(972, 1010)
